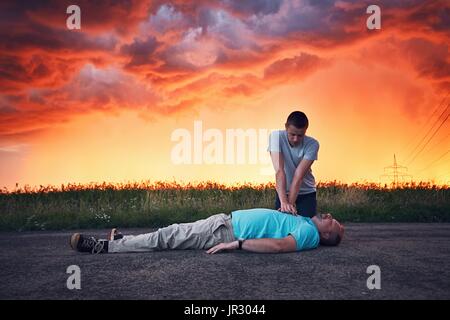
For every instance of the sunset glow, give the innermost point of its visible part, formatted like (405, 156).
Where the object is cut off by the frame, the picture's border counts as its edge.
(101, 103)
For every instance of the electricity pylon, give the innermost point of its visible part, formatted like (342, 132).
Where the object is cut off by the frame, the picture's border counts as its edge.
(396, 173)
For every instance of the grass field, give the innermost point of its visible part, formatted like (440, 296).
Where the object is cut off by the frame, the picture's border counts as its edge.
(146, 204)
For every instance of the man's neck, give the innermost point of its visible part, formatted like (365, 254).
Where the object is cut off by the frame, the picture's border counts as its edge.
(317, 221)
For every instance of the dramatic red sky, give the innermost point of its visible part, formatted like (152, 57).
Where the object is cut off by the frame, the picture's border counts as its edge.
(101, 103)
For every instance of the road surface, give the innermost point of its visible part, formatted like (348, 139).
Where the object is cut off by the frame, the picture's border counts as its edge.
(413, 261)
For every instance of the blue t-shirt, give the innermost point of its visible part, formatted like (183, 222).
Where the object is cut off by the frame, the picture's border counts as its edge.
(267, 223)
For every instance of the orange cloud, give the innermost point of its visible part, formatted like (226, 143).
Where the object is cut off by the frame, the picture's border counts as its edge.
(163, 58)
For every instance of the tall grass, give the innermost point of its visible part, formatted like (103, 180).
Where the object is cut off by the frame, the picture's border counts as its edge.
(145, 204)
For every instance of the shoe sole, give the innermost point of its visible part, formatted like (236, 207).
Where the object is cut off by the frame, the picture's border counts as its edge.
(74, 239)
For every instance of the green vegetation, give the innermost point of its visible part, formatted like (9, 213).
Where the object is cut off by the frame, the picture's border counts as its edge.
(159, 204)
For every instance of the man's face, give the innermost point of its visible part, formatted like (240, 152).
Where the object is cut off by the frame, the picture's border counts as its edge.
(295, 135)
(331, 225)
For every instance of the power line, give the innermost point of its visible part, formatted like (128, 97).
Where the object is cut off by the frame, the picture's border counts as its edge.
(425, 136)
(429, 165)
(440, 141)
(448, 105)
(431, 128)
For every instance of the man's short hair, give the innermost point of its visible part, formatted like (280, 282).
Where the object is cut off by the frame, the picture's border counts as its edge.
(298, 119)
(333, 240)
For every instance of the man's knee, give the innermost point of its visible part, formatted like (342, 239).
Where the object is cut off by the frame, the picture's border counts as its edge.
(166, 237)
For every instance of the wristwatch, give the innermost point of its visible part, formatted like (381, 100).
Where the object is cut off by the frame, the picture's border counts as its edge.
(240, 244)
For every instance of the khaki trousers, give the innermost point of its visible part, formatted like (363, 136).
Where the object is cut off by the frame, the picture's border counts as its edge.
(201, 234)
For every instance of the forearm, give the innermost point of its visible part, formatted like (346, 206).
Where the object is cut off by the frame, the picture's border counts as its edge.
(281, 186)
(266, 245)
(294, 188)
(262, 245)
(297, 180)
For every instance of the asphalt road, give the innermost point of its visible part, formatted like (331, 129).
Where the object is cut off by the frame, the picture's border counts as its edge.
(413, 261)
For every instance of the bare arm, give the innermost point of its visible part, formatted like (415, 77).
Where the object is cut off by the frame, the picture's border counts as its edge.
(266, 245)
(300, 172)
(280, 178)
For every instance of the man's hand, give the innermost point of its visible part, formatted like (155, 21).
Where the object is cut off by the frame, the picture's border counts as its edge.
(223, 246)
(289, 208)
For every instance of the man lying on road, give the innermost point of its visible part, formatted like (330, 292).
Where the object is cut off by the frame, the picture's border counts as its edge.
(257, 230)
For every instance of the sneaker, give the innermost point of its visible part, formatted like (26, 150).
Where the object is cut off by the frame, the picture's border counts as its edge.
(114, 234)
(83, 243)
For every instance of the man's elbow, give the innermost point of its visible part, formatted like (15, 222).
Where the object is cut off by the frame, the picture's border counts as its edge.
(287, 245)
(281, 246)
(277, 248)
